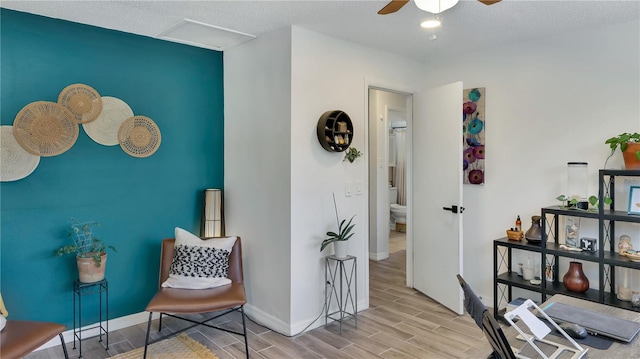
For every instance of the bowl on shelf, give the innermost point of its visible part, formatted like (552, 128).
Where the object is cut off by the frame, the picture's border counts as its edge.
(631, 254)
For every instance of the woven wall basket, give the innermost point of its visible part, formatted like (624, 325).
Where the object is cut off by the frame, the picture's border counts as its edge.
(15, 162)
(139, 136)
(104, 130)
(45, 128)
(83, 101)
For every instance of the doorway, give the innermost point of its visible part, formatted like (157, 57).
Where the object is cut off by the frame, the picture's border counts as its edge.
(389, 191)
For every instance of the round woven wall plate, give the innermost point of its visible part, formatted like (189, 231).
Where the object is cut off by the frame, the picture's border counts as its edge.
(45, 128)
(104, 130)
(83, 101)
(15, 162)
(139, 136)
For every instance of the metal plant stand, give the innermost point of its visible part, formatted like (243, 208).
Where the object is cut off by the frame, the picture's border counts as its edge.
(83, 289)
(341, 283)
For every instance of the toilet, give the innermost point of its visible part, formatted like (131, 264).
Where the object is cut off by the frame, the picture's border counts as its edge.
(398, 212)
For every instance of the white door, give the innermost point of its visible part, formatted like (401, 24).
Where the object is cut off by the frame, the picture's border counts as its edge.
(437, 184)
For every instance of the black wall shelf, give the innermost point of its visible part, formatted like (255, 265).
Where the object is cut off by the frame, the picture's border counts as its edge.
(335, 131)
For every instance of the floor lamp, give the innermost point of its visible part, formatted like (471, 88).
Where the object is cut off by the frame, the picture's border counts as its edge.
(212, 224)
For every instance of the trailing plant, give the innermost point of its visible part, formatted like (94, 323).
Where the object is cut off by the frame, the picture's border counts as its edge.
(572, 202)
(84, 244)
(344, 230)
(352, 154)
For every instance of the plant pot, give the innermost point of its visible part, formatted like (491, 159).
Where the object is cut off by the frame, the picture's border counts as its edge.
(575, 280)
(340, 249)
(631, 162)
(88, 271)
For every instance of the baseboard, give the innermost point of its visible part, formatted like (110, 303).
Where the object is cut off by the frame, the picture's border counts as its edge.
(114, 324)
(268, 320)
(378, 256)
(277, 325)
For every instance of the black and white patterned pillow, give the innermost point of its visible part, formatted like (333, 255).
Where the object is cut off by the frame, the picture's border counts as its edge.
(198, 263)
(195, 261)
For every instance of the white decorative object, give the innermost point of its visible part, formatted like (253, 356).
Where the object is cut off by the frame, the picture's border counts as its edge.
(104, 129)
(15, 162)
(435, 6)
(340, 249)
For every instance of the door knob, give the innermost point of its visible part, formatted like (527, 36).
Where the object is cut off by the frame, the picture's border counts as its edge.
(454, 209)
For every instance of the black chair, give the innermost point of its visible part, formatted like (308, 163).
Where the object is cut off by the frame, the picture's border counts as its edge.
(491, 329)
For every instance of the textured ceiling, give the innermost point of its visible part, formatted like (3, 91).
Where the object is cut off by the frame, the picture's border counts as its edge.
(468, 26)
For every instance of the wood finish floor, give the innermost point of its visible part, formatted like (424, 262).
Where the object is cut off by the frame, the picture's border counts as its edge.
(400, 323)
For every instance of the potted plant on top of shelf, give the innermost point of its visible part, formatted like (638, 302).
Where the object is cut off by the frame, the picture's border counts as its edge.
(629, 144)
(91, 252)
(339, 239)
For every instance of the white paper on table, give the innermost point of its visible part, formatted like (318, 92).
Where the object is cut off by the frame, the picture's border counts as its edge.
(536, 326)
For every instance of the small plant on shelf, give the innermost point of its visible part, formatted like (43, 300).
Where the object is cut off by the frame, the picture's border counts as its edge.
(574, 202)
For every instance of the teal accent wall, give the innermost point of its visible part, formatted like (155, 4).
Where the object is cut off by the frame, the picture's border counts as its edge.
(137, 201)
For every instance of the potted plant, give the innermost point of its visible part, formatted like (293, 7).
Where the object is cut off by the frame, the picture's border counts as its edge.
(339, 239)
(91, 252)
(629, 144)
(352, 154)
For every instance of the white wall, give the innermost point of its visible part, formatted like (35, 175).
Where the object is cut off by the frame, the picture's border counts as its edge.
(257, 83)
(548, 102)
(279, 180)
(329, 74)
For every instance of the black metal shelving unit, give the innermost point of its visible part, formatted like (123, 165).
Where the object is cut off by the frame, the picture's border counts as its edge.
(550, 252)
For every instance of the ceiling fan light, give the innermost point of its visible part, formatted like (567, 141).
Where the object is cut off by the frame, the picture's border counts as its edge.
(430, 24)
(435, 6)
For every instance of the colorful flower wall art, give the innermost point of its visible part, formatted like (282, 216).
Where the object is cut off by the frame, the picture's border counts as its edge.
(473, 135)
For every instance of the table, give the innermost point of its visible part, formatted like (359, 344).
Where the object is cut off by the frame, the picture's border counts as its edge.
(80, 290)
(337, 276)
(617, 350)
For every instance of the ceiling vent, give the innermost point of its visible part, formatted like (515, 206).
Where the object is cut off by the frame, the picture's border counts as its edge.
(199, 34)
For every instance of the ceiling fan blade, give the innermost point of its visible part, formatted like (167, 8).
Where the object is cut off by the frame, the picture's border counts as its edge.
(392, 7)
(489, 2)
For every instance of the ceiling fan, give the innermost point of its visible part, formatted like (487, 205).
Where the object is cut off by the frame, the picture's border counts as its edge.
(433, 6)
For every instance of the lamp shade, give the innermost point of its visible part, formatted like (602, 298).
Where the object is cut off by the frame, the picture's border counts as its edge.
(435, 6)
(212, 224)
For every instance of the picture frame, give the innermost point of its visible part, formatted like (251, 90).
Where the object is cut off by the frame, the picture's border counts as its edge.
(634, 200)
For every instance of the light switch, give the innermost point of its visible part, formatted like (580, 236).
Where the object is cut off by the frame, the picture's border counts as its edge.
(348, 189)
(359, 187)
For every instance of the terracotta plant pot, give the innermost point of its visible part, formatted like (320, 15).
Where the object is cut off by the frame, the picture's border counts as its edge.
(631, 162)
(575, 280)
(87, 270)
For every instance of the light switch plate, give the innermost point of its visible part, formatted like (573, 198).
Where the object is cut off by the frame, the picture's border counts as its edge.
(359, 187)
(348, 189)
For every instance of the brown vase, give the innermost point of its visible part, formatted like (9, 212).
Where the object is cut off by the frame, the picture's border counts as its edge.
(631, 162)
(575, 280)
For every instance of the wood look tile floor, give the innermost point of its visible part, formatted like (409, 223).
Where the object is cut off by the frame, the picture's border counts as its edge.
(401, 323)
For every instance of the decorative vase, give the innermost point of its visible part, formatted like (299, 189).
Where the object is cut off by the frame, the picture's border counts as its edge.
(534, 233)
(631, 162)
(575, 280)
(88, 271)
(624, 243)
(340, 249)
